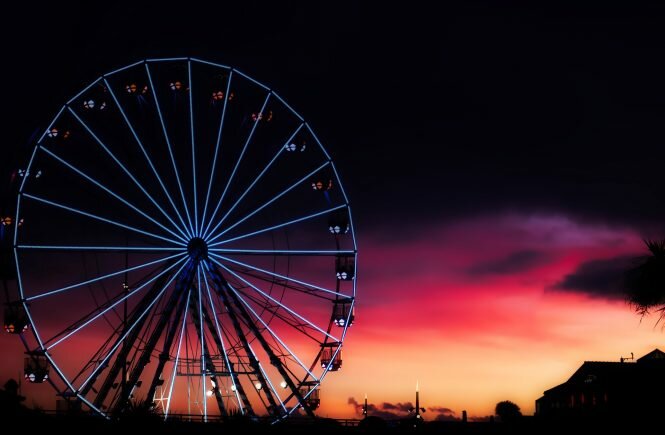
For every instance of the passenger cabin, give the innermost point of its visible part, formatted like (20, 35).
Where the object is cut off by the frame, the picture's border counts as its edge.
(322, 184)
(292, 147)
(175, 86)
(345, 267)
(339, 224)
(35, 368)
(343, 312)
(330, 358)
(58, 133)
(312, 396)
(16, 319)
(262, 116)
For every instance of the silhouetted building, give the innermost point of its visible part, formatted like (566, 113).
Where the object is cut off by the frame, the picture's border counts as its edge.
(612, 390)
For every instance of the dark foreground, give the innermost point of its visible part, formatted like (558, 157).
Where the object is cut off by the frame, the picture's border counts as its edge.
(73, 425)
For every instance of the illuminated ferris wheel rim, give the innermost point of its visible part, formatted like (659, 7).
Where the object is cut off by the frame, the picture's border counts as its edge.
(196, 243)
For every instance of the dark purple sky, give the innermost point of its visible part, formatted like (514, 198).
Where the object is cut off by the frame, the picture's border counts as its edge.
(431, 112)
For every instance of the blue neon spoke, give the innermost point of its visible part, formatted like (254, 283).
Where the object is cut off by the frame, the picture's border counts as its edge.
(177, 356)
(101, 248)
(266, 204)
(100, 278)
(115, 304)
(119, 163)
(280, 251)
(235, 168)
(256, 180)
(91, 406)
(102, 219)
(203, 354)
(272, 387)
(19, 281)
(102, 364)
(221, 339)
(168, 143)
(277, 275)
(278, 226)
(258, 317)
(110, 192)
(267, 296)
(214, 159)
(148, 159)
(34, 330)
(191, 129)
(249, 349)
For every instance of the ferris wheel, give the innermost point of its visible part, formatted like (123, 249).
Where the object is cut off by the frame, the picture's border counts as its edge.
(188, 247)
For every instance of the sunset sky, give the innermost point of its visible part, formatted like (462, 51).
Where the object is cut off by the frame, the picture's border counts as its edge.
(503, 165)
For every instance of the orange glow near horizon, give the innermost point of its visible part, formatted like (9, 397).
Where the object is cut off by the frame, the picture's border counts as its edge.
(468, 339)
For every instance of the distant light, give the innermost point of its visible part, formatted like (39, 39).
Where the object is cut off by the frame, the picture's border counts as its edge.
(258, 385)
(283, 384)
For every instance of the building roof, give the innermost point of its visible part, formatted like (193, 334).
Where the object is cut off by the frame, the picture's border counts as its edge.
(605, 372)
(655, 354)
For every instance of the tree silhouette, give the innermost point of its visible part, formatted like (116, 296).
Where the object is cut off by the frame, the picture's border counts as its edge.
(507, 411)
(11, 402)
(645, 282)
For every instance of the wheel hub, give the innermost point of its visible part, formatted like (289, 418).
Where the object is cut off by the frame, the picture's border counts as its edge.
(197, 249)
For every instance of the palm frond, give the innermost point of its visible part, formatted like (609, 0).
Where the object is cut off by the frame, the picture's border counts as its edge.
(645, 281)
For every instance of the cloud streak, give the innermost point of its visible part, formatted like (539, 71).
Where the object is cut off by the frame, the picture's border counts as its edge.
(598, 278)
